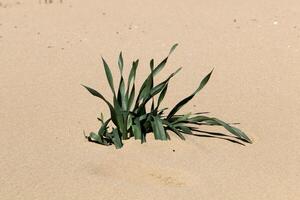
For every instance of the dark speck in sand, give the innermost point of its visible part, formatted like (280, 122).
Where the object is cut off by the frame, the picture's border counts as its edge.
(103, 13)
(173, 150)
(234, 20)
(117, 32)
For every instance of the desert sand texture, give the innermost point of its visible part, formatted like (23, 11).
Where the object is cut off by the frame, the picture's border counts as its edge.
(48, 50)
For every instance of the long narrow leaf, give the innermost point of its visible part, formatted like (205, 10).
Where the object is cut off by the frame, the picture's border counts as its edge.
(111, 108)
(158, 129)
(121, 63)
(116, 139)
(109, 76)
(132, 74)
(235, 131)
(172, 128)
(173, 48)
(187, 99)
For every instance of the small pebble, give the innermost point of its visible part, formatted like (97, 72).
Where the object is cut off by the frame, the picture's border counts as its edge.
(173, 150)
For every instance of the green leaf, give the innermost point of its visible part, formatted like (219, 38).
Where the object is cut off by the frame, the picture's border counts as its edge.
(235, 131)
(103, 128)
(136, 128)
(173, 48)
(131, 97)
(181, 118)
(129, 121)
(160, 66)
(158, 129)
(162, 96)
(187, 99)
(184, 128)
(116, 139)
(93, 137)
(148, 83)
(172, 128)
(122, 100)
(151, 64)
(109, 76)
(111, 108)
(132, 74)
(121, 63)
(154, 91)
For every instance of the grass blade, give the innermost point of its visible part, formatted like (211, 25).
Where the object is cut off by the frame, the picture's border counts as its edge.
(132, 74)
(109, 77)
(158, 129)
(235, 131)
(172, 128)
(111, 108)
(121, 63)
(131, 97)
(122, 100)
(187, 99)
(162, 96)
(116, 139)
(173, 48)
(136, 128)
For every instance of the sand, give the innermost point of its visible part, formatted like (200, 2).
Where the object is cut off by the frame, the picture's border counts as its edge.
(48, 50)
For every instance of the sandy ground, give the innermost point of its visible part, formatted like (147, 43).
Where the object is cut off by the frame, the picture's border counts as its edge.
(47, 51)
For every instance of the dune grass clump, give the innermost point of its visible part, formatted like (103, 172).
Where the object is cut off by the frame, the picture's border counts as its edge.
(131, 116)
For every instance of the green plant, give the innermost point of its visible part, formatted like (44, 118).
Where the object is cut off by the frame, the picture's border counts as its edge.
(133, 118)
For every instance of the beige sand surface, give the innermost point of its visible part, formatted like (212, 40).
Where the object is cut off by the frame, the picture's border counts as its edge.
(47, 51)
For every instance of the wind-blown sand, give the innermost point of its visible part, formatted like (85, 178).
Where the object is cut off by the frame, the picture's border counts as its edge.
(47, 51)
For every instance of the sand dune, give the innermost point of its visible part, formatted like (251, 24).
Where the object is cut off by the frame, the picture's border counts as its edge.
(48, 50)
